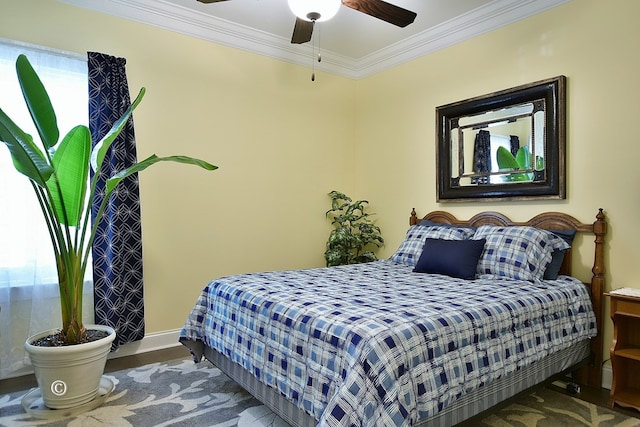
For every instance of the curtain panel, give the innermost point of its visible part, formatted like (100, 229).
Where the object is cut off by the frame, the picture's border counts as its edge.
(117, 249)
(514, 142)
(482, 157)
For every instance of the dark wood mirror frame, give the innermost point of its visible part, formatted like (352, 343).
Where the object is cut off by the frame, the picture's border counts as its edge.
(549, 183)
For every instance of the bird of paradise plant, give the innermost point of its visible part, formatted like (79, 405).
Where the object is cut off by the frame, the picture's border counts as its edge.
(521, 161)
(59, 173)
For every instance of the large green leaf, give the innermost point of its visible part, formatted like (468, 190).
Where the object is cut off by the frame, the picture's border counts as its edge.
(523, 158)
(507, 162)
(100, 149)
(38, 102)
(505, 159)
(27, 157)
(68, 186)
(140, 166)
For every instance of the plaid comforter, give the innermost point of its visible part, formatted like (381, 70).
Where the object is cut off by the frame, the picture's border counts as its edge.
(378, 345)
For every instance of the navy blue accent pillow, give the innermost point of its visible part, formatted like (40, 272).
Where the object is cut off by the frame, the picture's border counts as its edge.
(553, 269)
(455, 258)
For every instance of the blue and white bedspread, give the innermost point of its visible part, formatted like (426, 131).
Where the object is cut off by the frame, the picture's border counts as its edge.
(378, 345)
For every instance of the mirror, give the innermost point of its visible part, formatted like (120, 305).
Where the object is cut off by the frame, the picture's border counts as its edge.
(507, 145)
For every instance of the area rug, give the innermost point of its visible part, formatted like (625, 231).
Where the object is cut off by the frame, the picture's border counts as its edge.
(547, 408)
(181, 393)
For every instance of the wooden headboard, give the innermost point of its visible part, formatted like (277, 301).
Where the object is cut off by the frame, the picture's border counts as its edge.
(592, 373)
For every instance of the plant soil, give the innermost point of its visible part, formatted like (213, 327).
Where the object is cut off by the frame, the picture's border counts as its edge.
(56, 340)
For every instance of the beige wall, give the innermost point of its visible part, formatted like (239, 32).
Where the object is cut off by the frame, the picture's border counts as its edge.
(283, 142)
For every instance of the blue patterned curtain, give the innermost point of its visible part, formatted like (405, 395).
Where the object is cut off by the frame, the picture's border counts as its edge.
(515, 144)
(117, 249)
(482, 157)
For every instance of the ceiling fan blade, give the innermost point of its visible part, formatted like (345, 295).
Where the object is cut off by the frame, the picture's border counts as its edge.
(302, 31)
(210, 1)
(382, 10)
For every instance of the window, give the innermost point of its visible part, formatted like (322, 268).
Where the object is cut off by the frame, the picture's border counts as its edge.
(28, 280)
(25, 239)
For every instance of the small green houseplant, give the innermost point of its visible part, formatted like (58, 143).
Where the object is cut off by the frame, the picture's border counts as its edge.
(59, 173)
(354, 237)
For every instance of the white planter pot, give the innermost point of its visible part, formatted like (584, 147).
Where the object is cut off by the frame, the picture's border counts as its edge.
(69, 376)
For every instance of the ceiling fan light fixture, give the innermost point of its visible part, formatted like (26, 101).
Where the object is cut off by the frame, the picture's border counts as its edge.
(315, 10)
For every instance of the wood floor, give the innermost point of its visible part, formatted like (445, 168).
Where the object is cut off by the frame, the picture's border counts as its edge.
(596, 396)
(29, 381)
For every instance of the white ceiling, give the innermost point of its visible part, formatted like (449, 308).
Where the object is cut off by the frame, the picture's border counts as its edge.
(353, 44)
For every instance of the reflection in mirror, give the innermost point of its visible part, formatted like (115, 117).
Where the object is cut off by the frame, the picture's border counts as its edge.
(499, 146)
(507, 144)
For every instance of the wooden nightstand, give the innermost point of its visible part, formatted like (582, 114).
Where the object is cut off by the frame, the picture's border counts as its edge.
(625, 350)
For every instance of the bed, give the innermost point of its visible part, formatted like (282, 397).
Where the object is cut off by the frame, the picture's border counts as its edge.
(415, 339)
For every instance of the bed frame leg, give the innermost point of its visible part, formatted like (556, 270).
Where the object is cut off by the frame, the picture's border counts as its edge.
(573, 388)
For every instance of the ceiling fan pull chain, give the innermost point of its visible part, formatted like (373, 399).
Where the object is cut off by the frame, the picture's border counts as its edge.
(319, 56)
(313, 53)
(313, 65)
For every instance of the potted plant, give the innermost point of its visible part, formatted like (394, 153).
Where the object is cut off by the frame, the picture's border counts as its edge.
(354, 235)
(59, 173)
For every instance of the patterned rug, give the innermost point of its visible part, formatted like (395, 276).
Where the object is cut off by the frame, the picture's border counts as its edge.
(181, 393)
(547, 408)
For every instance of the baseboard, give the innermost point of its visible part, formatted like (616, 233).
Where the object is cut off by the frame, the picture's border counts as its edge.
(607, 377)
(150, 342)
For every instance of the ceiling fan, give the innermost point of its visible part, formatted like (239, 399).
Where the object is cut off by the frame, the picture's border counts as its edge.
(306, 18)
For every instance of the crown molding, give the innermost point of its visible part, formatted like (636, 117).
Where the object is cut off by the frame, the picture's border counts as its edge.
(190, 22)
(492, 16)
